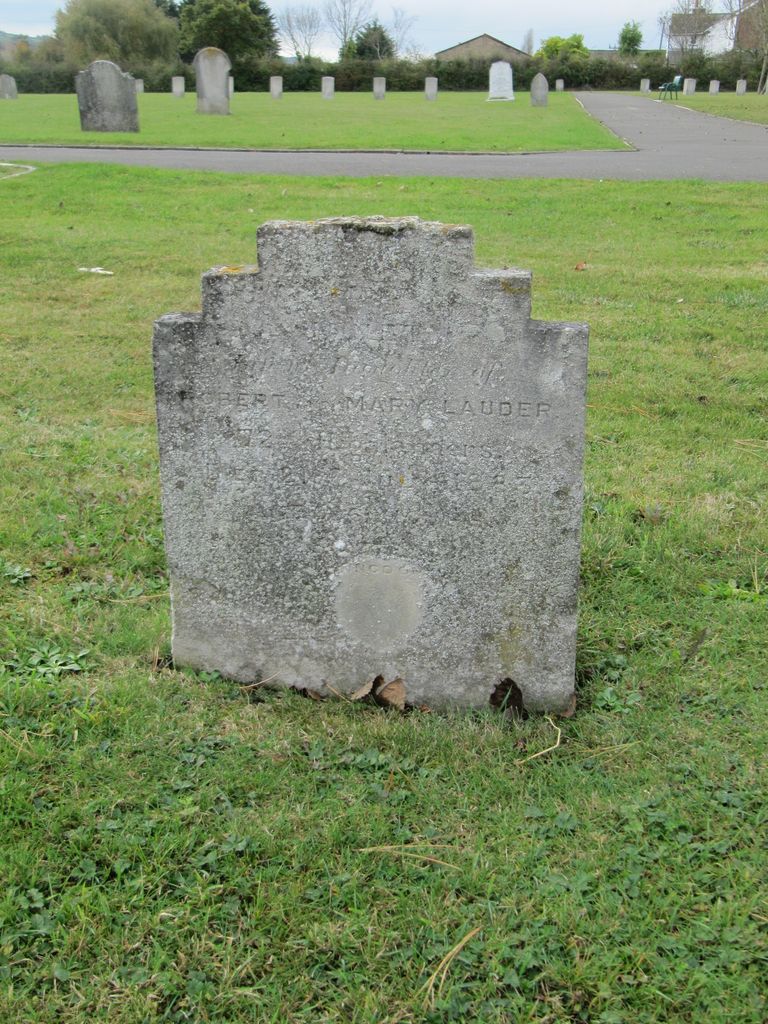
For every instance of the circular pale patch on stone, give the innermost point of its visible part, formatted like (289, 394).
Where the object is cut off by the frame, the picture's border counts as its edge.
(379, 602)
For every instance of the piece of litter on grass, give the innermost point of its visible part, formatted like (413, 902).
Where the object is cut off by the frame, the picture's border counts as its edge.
(96, 270)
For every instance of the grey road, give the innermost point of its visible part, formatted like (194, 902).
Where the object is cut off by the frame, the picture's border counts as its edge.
(668, 142)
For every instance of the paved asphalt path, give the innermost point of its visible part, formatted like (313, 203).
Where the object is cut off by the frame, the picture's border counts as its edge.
(669, 142)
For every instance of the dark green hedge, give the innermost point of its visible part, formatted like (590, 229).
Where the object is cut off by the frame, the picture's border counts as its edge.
(252, 74)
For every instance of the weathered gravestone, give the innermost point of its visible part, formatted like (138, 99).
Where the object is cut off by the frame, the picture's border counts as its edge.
(276, 87)
(430, 87)
(139, 85)
(230, 85)
(106, 97)
(500, 81)
(328, 87)
(379, 88)
(559, 85)
(645, 85)
(689, 86)
(741, 86)
(371, 463)
(212, 68)
(714, 87)
(539, 91)
(177, 86)
(8, 90)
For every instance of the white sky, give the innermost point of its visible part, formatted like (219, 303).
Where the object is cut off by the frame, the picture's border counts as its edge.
(439, 26)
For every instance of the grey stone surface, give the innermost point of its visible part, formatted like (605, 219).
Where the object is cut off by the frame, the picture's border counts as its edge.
(539, 91)
(178, 86)
(106, 98)
(500, 81)
(714, 87)
(231, 85)
(8, 90)
(645, 85)
(371, 463)
(327, 87)
(559, 85)
(276, 87)
(430, 87)
(212, 67)
(741, 86)
(379, 88)
(689, 86)
(138, 85)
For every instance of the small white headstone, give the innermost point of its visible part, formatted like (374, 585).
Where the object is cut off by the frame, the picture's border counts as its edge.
(689, 87)
(645, 85)
(328, 87)
(714, 87)
(139, 83)
(276, 87)
(177, 85)
(500, 81)
(212, 67)
(430, 88)
(539, 91)
(231, 85)
(741, 87)
(559, 85)
(8, 90)
(379, 88)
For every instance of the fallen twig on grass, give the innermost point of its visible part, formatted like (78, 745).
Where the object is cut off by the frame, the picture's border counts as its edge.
(261, 682)
(442, 968)
(409, 851)
(547, 750)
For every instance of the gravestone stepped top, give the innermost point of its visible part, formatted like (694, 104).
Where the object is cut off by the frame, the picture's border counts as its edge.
(106, 97)
(371, 462)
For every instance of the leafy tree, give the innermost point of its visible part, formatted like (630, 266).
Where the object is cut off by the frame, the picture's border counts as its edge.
(558, 47)
(373, 42)
(129, 32)
(169, 7)
(239, 27)
(630, 38)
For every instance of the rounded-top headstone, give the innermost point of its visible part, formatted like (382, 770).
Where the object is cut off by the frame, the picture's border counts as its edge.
(539, 91)
(8, 90)
(379, 88)
(212, 67)
(328, 86)
(276, 87)
(177, 85)
(106, 97)
(741, 87)
(500, 81)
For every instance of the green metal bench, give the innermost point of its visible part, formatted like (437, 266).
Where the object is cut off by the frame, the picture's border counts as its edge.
(671, 87)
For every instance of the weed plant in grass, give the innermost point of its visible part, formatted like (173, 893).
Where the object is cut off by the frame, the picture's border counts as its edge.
(457, 121)
(178, 848)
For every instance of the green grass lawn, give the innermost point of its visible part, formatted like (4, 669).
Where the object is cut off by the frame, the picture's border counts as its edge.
(749, 107)
(456, 121)
(177, 848)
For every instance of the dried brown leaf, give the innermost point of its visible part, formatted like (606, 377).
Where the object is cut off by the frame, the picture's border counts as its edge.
(366, 689)
(307, 691)
(580, 266)
(391, 695)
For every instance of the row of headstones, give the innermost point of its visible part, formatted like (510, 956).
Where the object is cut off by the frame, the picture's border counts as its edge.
(689, 86)
(327, 87)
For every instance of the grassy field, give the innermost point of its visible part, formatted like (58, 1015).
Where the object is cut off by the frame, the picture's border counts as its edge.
(175, 848)
(457, 121)
(749, 107)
